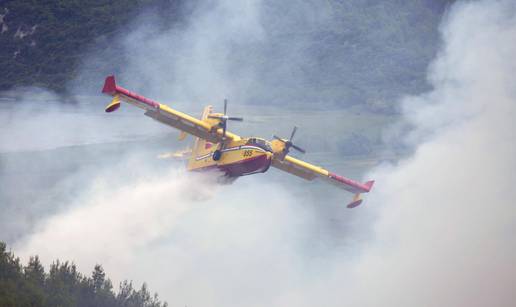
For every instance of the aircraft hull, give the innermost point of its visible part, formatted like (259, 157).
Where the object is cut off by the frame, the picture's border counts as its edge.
(258, 164)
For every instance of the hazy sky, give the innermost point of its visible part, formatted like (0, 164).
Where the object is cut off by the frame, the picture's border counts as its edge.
(437, 230)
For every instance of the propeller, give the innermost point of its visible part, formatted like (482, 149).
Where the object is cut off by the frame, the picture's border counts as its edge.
(217, 154)
(289, 144)
(224, 119)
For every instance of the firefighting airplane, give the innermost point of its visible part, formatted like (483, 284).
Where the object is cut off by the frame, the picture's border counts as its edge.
(217, 148)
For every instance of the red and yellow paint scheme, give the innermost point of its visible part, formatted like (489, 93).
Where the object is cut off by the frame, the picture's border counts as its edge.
(235, 156)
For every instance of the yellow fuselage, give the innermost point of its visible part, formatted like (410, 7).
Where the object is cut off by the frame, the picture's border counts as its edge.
(237, 158)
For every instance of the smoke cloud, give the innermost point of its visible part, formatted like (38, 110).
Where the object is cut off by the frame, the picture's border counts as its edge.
(446, 214)
(443, 218)
(36, 119)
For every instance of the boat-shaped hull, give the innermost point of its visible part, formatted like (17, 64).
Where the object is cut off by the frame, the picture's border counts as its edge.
(253, 165)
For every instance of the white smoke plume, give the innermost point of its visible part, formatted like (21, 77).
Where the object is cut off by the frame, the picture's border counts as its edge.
(444, 236)
(445, 219)
(36, 119)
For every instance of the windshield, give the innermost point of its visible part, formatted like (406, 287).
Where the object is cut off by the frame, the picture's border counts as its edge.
(263, 144)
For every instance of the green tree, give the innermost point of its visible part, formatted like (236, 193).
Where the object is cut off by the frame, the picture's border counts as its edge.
(10, 273)
(34, 275)
(30, 286)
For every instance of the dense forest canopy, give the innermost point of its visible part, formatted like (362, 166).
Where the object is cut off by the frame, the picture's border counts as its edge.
(42, 42)
(368, 51)
(63, 285)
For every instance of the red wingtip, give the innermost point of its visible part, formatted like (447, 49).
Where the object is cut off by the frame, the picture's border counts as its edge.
(354, 204)
(369, 185)
(109, 85)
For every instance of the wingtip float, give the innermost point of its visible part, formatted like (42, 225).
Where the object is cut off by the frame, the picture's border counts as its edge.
(357, 198)
(235, 156)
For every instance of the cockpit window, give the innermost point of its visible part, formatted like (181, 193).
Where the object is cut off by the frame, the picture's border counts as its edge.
(263, 144)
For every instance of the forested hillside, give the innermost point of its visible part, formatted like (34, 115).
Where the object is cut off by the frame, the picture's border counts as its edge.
(63, 285)
(367, 52)
(42, 42)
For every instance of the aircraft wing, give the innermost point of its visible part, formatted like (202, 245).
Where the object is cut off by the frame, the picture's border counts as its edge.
(163, 113)
(310, 172)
